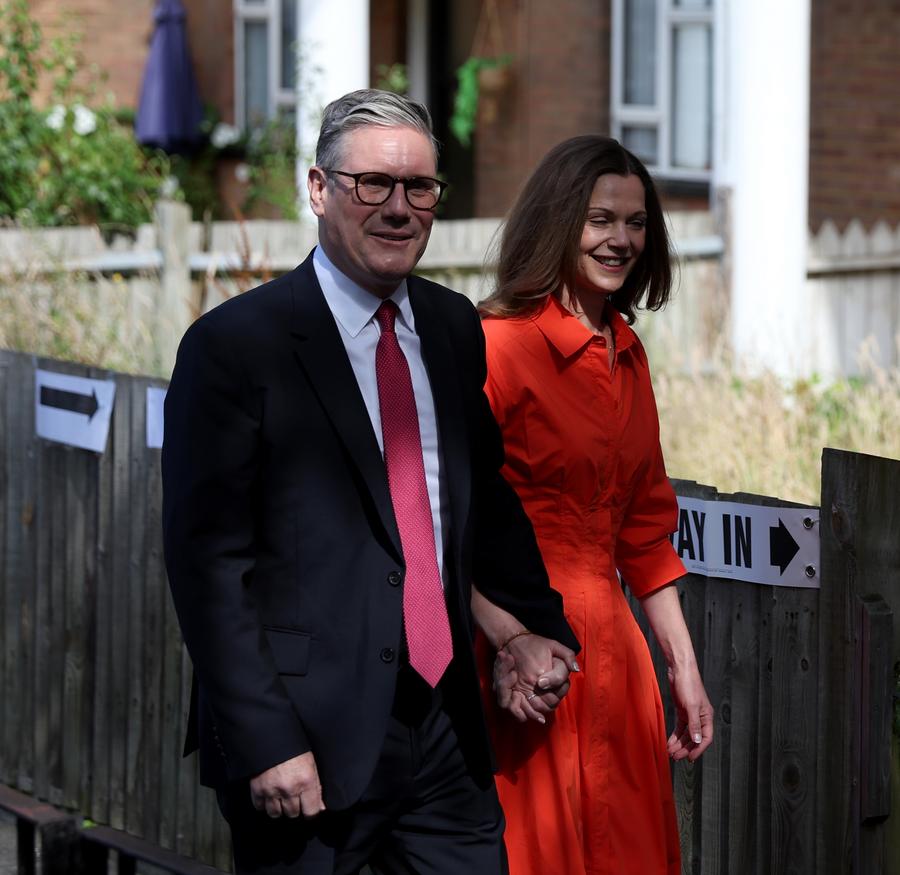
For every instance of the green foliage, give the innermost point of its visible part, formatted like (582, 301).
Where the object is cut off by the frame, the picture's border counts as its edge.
(76, 162)
(465, 104)
(272, 167)
(196, 171)
(267, 164)
(392, 77)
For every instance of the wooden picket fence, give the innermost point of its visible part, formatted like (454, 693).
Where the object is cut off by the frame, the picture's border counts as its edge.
(94, 679)
(153, 286)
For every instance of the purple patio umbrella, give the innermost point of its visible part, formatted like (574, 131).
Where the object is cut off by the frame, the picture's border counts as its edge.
(169, 113)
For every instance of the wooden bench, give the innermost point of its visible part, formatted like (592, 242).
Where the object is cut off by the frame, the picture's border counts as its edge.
(69, 848)
(98, 841)
(57, 831)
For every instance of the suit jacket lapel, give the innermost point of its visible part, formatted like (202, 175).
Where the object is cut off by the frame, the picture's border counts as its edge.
(321, 354)
(448, 404)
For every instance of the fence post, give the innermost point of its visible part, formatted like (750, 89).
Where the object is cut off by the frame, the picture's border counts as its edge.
(859, 640)
(176, 308)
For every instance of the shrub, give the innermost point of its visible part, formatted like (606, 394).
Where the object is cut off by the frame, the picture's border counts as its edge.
(75, 162)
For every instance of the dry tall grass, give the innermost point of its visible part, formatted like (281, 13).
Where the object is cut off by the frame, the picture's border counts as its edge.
(764, 436)
(75, 317)
(740, 435)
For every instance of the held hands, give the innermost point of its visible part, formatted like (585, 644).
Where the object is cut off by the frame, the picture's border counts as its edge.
(531, 676)
(693, 714)
(289, 789)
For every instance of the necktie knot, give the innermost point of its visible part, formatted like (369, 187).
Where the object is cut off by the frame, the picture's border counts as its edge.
(385, 315)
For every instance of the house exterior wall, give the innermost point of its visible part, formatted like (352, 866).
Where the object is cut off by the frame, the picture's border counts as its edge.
(854, 168)
(115, 39)
(559, 88)
(387, 35)
(210, 26)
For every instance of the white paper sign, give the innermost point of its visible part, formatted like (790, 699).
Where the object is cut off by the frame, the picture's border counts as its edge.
(73, 410)
(155, 399)
(777, 546)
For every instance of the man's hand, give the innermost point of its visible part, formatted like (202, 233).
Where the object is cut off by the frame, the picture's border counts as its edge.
(289, 789)
(531, 676)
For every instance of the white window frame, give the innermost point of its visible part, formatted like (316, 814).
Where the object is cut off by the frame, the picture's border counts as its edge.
(268, 11)
(658, 116)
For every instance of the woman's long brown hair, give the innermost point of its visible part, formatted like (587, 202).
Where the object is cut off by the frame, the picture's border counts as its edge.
(540, 240)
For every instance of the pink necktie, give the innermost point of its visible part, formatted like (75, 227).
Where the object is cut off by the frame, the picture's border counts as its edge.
(424, 610)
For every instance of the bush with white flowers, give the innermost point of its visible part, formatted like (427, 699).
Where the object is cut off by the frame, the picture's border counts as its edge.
(73, 162)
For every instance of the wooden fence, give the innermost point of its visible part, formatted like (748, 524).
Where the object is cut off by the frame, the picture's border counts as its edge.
(154, 285)
(804, 764)
(94, 679)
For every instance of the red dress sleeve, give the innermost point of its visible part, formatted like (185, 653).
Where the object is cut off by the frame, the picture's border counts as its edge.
(645, 556)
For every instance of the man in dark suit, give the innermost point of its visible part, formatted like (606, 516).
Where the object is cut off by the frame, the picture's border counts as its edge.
(331, 492)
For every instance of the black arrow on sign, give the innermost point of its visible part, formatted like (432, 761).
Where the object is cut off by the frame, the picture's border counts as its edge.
(74, 402)
(782, 546)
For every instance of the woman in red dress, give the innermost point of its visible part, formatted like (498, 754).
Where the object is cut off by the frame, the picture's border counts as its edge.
(587, 789)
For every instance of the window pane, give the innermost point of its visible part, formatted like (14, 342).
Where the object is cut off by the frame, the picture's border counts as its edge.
(643, 141)
(691, 95)
(288, 44)
(256, 72)
(640, 52)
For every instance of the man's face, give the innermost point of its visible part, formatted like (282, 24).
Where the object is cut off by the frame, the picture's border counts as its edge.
(376, 246)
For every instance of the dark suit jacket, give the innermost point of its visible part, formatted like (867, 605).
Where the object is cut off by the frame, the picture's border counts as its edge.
(281, 545)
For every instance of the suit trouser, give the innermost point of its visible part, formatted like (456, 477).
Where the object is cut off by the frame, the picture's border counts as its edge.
(422, 813)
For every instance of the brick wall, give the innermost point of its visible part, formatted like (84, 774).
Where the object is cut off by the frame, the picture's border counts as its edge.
(387, 35)
(211, 42)
(854, 168)
(116, 38)
(559, 88)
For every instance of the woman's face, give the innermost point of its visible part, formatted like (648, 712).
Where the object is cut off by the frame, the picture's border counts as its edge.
(614, 234)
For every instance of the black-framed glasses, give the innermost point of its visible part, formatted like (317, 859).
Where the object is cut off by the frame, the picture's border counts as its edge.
(373, 189)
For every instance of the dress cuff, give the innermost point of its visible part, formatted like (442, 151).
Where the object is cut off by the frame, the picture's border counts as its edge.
(652, 569)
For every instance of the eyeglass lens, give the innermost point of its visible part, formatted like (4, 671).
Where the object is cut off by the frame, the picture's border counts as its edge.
(376, 188)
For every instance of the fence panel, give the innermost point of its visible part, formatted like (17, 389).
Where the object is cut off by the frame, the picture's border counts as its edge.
(130, 301)
(96, 682)
(93, 673)
(748, 807)
(860, 560)
(855, 278)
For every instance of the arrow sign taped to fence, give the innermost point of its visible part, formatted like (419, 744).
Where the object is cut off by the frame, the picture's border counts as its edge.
(777, 546)
(155, 418)
(73, 410)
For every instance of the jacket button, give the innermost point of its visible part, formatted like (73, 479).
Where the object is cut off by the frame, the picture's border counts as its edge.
(395, 578)
(387, 655)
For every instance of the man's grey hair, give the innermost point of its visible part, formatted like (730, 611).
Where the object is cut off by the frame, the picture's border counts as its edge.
(368, 106)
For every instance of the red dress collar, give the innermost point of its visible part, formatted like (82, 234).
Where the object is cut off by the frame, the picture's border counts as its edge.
(569, 336)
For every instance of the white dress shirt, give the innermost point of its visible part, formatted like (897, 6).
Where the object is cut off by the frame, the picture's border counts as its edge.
(354, 309)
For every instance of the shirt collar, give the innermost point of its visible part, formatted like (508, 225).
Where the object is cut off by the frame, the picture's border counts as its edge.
(563, 330)
(350, 304)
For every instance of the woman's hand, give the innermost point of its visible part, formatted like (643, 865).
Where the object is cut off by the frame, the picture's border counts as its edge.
(693, 732)
(693, 712)
(531, 676)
